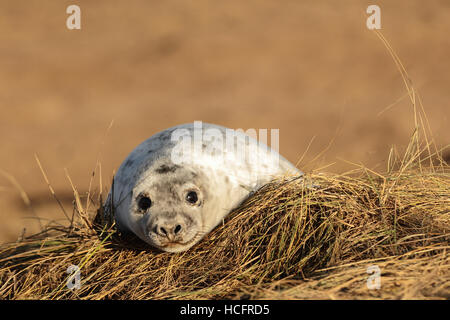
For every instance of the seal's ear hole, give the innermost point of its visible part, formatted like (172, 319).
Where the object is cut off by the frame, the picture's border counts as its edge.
(192, 197)
(144, 203)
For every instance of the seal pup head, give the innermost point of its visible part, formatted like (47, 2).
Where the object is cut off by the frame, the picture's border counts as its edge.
(169, 207)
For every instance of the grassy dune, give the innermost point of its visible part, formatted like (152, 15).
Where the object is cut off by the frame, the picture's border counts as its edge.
(287, 241)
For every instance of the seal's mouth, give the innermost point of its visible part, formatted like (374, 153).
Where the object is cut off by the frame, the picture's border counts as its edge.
(178, 244)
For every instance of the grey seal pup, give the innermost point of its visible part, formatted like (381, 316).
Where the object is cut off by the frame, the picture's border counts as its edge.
(179, 184)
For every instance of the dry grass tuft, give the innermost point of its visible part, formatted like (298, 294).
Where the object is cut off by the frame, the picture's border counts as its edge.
(287, 241)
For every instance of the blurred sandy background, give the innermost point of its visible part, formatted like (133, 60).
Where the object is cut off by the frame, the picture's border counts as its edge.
(308, 68)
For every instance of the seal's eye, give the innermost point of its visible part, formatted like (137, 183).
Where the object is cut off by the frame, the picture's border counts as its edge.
(192, 197)
(144, 203)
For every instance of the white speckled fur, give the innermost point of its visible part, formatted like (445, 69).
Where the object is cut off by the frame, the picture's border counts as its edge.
(223, 182)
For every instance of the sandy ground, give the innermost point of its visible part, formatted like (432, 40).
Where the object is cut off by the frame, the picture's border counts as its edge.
(308, 68)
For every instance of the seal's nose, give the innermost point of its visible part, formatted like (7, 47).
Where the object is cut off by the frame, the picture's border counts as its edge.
(169, 230)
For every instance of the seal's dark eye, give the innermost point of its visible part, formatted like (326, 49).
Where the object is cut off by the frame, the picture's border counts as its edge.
(144, 203)
(192, 197)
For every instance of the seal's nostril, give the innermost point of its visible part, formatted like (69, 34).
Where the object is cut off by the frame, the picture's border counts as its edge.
(162, 231)
(168, 231)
